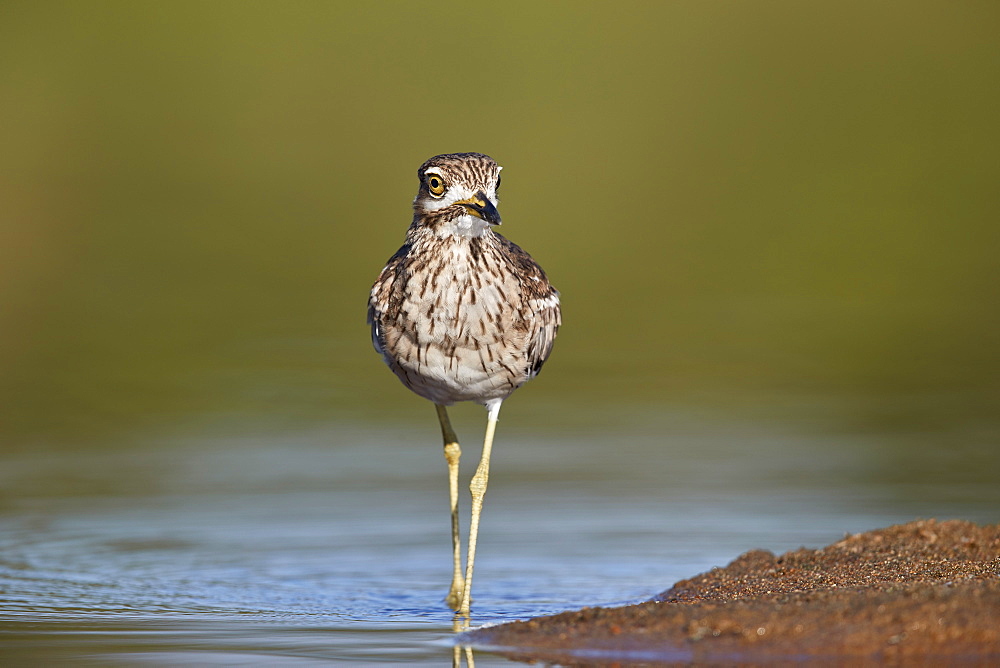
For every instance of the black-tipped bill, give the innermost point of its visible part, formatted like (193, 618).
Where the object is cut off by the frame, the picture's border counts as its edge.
(481, 207)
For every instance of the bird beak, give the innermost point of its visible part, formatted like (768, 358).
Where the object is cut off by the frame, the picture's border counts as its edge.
(480, 206)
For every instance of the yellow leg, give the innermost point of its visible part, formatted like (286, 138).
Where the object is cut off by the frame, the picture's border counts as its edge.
(478, 489)
(452, 453)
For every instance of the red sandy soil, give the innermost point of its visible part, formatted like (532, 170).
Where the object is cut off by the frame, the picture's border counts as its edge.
(926, 592)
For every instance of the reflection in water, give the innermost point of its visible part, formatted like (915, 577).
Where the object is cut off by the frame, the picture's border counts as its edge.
(459, 652)
(316, 547)
(462, 623)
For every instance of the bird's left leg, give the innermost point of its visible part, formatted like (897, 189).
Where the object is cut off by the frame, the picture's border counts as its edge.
(478, 489)
(452, 453)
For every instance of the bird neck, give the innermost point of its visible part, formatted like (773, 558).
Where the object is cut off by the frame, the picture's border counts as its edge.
(459, 227)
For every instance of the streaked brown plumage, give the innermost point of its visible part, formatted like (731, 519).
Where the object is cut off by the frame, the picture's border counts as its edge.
(462, 314)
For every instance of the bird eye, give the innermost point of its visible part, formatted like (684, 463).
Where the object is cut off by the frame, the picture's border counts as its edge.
(435, 184)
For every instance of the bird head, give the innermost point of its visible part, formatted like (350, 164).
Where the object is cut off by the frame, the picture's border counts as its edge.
(458, 194)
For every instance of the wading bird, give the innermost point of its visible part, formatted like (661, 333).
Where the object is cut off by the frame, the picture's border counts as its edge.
(460, 313)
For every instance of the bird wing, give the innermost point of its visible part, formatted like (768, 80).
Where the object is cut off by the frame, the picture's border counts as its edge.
(542, 309)
(384, 300)
(548, 317)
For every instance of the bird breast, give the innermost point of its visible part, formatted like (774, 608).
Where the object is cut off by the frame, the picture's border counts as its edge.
(460, 331)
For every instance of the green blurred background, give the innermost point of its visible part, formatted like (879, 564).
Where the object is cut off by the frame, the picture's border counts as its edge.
(784, 210)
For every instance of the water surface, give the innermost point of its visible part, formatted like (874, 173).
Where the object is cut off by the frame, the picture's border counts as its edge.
(333, 545)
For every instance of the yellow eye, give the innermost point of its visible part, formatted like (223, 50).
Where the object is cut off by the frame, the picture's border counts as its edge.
(435, 184)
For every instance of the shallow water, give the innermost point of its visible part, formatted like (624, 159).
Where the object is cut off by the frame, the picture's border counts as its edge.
(333, 545)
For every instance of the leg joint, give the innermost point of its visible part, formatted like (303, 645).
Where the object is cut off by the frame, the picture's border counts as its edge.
(452, 452)
(478, 484)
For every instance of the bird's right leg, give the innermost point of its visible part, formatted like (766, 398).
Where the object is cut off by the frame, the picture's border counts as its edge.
(452, 453)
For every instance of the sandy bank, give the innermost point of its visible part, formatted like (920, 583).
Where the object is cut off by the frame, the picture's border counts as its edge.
(924, 590)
